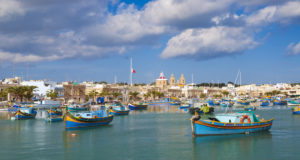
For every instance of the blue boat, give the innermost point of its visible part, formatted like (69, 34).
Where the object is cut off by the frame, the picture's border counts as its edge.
(118, 109)
(265, 103)
(87, 119)
(279, 102)
(296, 110)
(230, 123)
(185, 106)
(244, 102)
(24, 113)
(137, 107)
(213, 103)
(54, 112)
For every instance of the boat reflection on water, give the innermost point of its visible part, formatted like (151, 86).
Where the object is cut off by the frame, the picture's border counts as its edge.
(238, 145)
(161, 109)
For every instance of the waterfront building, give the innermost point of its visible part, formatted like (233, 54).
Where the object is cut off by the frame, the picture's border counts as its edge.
(15, 80)
(161, 82)
(42, 87)
(74, 92)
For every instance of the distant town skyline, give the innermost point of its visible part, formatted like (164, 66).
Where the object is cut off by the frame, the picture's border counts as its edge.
(71, 40)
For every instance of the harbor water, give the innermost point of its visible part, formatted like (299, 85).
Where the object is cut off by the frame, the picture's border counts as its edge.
(161, 132)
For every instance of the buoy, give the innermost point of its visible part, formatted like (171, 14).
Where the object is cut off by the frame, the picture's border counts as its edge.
(73, 134)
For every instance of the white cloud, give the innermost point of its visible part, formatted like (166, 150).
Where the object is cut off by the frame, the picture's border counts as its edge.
(293, 49)
(20, 58)
(164, 11)
(263, 16)
(277, 13)
(10, 7)
(208, 43)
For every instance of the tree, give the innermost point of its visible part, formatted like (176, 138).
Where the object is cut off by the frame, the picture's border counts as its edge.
(3, 94)
(160, 94)
(134, 95)
(147, 95)
(202, 95)
(22, 91)
(52, 94)
(93, 94)
(116, 95)
(225, 93)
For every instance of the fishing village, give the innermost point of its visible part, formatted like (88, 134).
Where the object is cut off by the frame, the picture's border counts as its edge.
(149, 79)
(210, 109)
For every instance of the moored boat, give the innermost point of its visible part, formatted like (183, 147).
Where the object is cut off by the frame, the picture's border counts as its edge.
(292, 103)
(230, 123)
(54, 112)
(24, 113)
(265, 103)
(87, 119)
(118, 109)
(137, 107)
(296, 110)
(279, 102)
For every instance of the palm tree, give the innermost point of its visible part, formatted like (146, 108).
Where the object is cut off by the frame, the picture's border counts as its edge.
(153, 93)
(147, 95)
(93, 94)
(225, 93)
(116, 94)
(22, 91)
(3, 94)
(160, 94)
(52, 94)
(134, 95)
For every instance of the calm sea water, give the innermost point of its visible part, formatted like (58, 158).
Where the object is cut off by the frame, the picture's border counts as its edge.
(162, 132)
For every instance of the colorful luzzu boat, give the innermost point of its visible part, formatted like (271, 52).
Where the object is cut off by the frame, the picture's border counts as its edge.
(24, 113)
(265, 103)
(54, 112)
(279, 102)
(118, 109)
(293, 103)
(296, 110)
(137, 107)
(244, 102)
(230, 123)
(87, 119)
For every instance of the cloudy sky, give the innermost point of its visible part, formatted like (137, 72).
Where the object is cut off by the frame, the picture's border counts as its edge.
(93, 40)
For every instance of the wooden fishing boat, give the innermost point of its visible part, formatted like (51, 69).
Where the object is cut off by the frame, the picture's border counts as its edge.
(279, 102)
(230, 123)
(265, 103)
(296, 110)
(87, 119)
(54, 112)
(118, 109)
(24, 113)
(137, 107)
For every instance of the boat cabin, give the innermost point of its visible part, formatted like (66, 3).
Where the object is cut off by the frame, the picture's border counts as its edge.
(237, 117)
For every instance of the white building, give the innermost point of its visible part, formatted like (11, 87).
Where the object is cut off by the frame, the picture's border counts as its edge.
(42, 86)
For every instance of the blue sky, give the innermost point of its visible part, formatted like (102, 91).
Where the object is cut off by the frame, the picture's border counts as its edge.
(74, 40)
